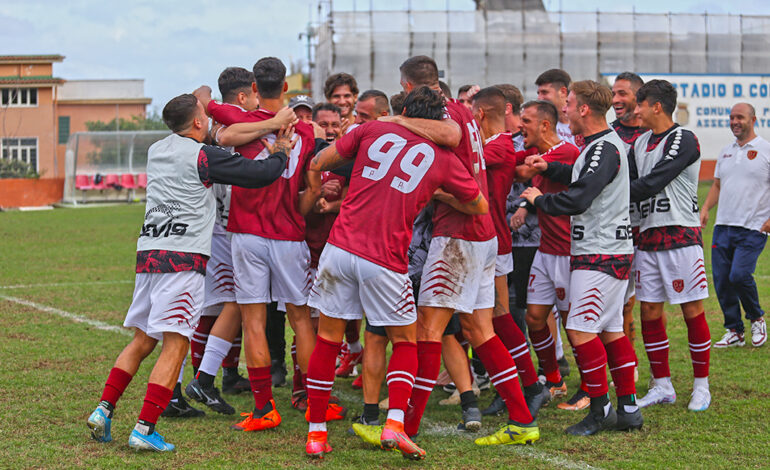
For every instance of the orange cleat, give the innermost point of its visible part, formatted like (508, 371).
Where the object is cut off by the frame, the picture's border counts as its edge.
(269, 420)
(394, 437)
(358, 383)
(334, 412)
(317, 445)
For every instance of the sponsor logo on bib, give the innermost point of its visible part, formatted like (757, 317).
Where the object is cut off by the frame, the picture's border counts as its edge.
(678, 285)
(752, 154)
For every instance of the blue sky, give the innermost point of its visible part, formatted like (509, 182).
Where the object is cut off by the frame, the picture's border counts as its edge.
(177, 45)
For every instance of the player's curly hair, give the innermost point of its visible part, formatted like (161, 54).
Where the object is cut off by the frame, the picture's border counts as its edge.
(233, 80)
(424, 103)
(338, 80)
(596, 96)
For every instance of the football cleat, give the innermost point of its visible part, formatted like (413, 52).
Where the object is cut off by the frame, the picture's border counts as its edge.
(594, 423)
(154, 442)
(758, 332)
(348, 363)
(658, 395)
(369, 433)
(730, 339)
(495, 408)
(334, 412)
(358, 383)
(394, 437)
(271, 419)
(700, 399)
(538, 399)
(233, 384)
(209, 397)
(511, 434)
(557, 390)
(362, 420)
(579, 401)
(317, 445)
(629, 421)
(299, 401)
(179, 408)
(471, 420)
(100, 425)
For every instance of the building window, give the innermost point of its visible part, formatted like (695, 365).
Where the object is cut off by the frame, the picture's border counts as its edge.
(24, 149)
(64, 129)
(18, 97)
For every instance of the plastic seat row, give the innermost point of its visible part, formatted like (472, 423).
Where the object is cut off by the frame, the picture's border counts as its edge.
(110, 181)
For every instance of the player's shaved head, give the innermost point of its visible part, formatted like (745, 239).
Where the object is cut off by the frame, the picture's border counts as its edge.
(746, 108)
(380, 100)
(234, 80)
(425, 103)
(596, 96)
(545, 111)
(179, 113)
(420, 70)
(513, 96)
(270, 75)
(492, 101)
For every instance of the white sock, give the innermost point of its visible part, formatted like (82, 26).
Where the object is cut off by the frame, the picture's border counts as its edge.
(181, 371)
(700, 382)
(312, 427)
(216, 350)
(396, 415)
(142, 429)
(355, 348)
(664, 382)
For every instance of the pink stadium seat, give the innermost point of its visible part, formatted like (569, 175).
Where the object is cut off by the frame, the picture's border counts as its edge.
(100, 185)
(127, 181)
(83, 182)
(112, 181)
(141, 180)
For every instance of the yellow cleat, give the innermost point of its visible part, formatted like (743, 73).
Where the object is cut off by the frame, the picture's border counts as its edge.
(368, 433)
(511, 434)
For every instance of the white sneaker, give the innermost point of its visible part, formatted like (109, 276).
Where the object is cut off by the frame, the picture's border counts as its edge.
(659, 394)
(700, 399)
(758, 332)
(731, 338)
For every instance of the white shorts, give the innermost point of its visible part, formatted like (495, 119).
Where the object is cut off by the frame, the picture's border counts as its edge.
(269, 270)
(549, 281)
(166, 303)
(459, 274)
(596, 302)
(219, 286)
(348, 286)
(631, 289)
(503, 265)
(675, 276)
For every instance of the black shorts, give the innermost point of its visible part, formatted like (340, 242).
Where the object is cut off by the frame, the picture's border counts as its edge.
(452, 327)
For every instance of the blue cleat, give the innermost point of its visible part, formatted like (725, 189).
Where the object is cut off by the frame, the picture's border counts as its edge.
(100, 424)
(154, 441)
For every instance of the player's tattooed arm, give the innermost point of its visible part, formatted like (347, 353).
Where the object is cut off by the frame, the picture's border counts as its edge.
(327, 159)
(242, 133)
(446, 133)
(475, 206)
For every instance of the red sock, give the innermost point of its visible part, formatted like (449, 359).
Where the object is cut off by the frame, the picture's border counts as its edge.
(592, 361)
(502, 372)
(656, 345)
(622, 360)
(320, 378)
(116, 384)
(298, 381)
(233, 357)
(583, 385)
(261, 385)
(155, 401)
(199, 339)
(517, 346)
(545, 348)
(699, 337)
(401, 371)
(428, 366)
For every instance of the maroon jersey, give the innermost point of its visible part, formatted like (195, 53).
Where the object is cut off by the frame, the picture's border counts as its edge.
(394, 176)
(273, 211)
(318, 226)
(555, 229)
(501, 159)
(447, 222)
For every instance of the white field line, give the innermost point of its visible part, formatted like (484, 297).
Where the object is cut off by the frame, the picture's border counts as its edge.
(66, 284)
(68, 315)
(431, 428)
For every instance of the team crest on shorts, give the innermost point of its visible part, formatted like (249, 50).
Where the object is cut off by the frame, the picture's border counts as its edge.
(751, 154)
(560, 293)
(678, 285)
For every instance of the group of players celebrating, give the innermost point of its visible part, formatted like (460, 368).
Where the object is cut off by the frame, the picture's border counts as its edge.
(320, 219)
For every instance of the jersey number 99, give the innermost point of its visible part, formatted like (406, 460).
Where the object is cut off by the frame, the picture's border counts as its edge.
(386, 149)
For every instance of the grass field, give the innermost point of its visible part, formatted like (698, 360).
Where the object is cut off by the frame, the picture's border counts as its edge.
(80, 261)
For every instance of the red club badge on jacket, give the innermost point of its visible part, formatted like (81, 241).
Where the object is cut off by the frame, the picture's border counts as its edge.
(752, 154)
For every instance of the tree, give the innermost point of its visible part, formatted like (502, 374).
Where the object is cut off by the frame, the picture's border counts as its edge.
(114, 150)
(153, 122)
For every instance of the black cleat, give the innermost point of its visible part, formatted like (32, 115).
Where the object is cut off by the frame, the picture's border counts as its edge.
(594, 423)
(471, 420)
(496, 408)
(179, 408)
(234, 383)
(539, 397)
(629, 421)
(209, 397)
